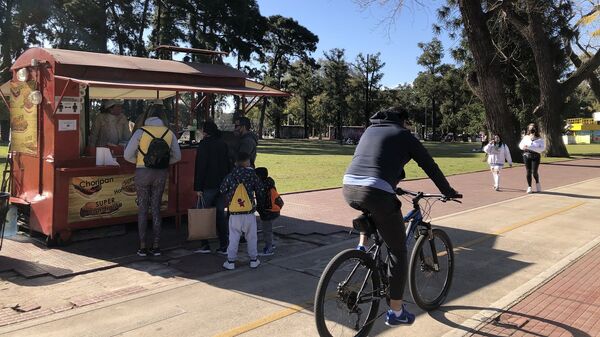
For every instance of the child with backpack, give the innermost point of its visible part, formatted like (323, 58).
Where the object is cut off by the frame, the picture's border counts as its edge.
(240, 188)
(269, 210)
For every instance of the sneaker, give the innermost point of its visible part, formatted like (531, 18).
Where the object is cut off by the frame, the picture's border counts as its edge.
(203, 250)
(254, 263)
(154, 252)
(496, 188)
(267, 251)
(405, 318)
(142, 252)
(229, 265)
(538, 187)
(529, 191)
(361, 248)
(222, 251)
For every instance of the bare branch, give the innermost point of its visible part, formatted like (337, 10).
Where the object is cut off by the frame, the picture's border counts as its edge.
(581, 73)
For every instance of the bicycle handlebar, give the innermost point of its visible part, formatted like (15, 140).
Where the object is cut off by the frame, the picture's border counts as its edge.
(420, 195)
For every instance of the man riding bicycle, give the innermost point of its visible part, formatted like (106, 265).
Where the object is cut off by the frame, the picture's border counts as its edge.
(369, 186)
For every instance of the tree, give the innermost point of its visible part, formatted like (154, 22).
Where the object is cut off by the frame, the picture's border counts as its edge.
(433, 52)
(335, 84)
(285, 41)
(539, 23)
(21, 24)
(304, 81)
(366, 76)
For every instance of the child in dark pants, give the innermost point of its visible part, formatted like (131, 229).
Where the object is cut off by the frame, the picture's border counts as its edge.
(270, 209)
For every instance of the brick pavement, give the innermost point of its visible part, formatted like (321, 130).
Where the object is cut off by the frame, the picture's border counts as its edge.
(566, 305)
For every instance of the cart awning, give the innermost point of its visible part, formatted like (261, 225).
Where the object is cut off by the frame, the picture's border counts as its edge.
(147, 90)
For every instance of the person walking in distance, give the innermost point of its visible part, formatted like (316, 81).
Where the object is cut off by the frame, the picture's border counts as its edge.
(497, 154)
(532, 145)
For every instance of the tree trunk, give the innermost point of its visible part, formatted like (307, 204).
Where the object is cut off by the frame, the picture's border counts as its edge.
(305, 117)
(140, 42)
(261, 122)
(489, 87)
(552, 96)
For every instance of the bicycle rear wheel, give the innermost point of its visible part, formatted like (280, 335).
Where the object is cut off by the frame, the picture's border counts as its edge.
(430, 270)
(346, 301)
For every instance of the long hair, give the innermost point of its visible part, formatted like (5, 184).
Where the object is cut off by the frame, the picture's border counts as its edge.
(500, 142)
(532, 129)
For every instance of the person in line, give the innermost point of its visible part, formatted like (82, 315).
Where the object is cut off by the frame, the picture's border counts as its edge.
(270, 209)
(248, 140)
(369, 186)
(532, 145)
(150, 181)
(497, 154)
(111, 127)
(242, 190)
(212, 166)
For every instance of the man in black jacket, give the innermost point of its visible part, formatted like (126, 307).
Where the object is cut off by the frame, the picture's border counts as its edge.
(248, 140)
(212, 166)
(369, 185)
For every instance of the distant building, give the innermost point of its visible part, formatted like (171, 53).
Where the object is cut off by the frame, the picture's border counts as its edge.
(582, 130)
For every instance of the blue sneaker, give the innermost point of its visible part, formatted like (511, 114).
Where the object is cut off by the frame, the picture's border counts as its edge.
(405, 318)
(361, 248)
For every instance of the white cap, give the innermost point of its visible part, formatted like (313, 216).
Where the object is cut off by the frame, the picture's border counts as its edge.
(112, 102)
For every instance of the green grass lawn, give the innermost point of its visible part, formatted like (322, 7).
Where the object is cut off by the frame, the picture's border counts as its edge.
(299, 165)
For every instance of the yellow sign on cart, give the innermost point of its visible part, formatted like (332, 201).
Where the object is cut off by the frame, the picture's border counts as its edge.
(92, 198)
(23, 118)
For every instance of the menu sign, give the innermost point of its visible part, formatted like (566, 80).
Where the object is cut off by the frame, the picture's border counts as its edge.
(92, 198)
(23, 118)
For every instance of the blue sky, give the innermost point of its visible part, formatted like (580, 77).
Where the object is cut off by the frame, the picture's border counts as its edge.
(344, 24)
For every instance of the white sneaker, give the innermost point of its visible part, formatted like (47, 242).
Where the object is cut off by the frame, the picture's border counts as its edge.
(529, 191)
(229, 265)
(538, 187)
(496, 188)
(254, 263)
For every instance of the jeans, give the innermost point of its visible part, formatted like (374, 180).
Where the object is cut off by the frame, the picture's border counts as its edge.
(532, 163)
(385, 210)
(212, 198)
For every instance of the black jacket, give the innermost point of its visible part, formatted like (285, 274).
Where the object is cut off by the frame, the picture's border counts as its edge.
(384, 149)
(212, 163)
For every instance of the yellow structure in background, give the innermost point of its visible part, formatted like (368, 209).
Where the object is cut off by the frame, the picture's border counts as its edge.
(584, 131)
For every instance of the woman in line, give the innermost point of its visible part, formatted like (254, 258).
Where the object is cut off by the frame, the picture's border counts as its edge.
(497, 154)
(152, 170)
(532, 145)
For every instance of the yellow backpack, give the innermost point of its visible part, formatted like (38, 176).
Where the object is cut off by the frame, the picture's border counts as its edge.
(240, 202)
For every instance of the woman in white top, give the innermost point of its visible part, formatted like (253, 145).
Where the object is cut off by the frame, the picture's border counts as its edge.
(497, 153)
(532, 145)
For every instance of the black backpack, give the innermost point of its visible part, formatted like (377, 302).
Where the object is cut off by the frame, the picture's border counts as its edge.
(159, 152)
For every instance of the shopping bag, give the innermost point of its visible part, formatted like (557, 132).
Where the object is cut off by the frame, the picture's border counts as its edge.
(202, 222)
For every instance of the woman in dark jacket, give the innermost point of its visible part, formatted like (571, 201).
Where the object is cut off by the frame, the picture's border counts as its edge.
(212, 165)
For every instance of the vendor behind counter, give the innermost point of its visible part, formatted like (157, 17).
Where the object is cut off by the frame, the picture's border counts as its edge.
(111, 126)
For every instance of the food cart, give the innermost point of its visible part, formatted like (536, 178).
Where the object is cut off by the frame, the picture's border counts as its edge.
(54, 181)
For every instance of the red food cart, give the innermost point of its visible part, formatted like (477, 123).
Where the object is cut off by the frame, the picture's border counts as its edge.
(56, 185)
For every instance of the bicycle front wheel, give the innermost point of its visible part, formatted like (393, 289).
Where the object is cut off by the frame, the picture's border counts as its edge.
(430, 270)
(347, 297)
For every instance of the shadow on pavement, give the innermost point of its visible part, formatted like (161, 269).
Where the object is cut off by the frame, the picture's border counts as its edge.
(570, 195)
(440, 316)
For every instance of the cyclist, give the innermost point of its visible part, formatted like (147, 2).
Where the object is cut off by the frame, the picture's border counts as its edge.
(369, 186)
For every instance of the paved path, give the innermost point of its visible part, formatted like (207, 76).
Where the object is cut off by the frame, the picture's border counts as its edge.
(507, 245)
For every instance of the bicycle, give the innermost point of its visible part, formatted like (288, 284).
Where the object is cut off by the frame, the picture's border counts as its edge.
(363, 281)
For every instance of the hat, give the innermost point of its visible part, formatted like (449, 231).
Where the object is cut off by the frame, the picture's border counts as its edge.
(155, 102)
(112, 102)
